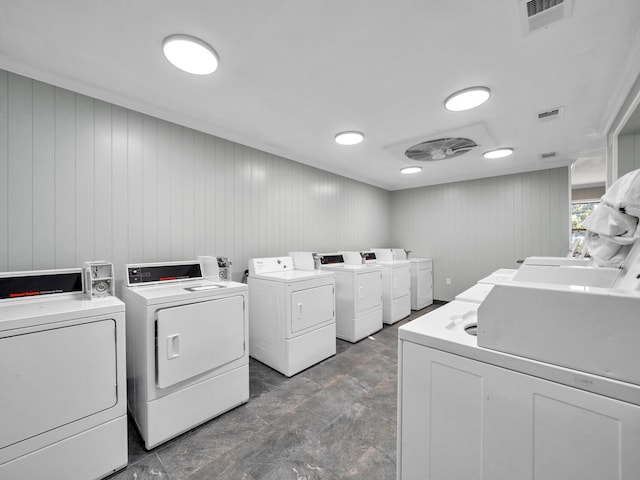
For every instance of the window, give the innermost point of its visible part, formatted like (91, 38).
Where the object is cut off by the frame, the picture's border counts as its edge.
(580, 211)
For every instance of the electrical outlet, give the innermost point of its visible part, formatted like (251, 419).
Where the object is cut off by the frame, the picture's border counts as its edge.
(447, 281)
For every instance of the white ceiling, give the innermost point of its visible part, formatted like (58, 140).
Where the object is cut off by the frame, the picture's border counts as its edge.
(293, 73)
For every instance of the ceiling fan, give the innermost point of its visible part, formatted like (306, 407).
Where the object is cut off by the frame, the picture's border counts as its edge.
(440, 149)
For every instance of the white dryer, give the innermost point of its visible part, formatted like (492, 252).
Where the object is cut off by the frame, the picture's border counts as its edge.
(291, 316)
(62, 377)
(421, 273)
(187, 347)
(396, 285)
(358, 296)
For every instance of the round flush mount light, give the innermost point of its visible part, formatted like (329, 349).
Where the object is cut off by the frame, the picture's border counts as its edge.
(498, 153)
(467, 99)
(190, 54)
(349, 138)
(410, 170)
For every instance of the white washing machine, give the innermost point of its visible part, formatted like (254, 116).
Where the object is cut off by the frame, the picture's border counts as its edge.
(292, 314)
(469, 412)
(421, 274)
(358, 296)
(478, 292)
(500, 275)
(187, 347)
(396, 285)
(62, 377)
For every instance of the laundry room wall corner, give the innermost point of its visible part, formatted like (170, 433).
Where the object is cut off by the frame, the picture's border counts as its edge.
(84, 179)
(474, 227)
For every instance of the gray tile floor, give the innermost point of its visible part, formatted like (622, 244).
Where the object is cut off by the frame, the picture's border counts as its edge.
(335, 420)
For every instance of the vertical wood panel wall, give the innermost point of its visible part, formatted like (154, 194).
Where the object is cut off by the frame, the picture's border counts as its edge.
(81, 179)
(475, 227)
(628, 153)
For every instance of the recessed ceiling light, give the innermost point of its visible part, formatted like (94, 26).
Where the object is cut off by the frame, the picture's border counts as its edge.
(410, 170)
(467, 99)
(349, 138)
(498, 153)
(190, 54)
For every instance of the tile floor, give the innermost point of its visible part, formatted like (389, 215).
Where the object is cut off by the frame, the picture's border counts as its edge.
(335, 420)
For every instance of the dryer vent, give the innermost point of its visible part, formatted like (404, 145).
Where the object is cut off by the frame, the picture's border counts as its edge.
(548, 155)
(551, 114)
(538, 14)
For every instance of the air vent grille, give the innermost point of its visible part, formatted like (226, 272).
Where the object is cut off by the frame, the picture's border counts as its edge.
(534, 7)
(539, 14)
(548, 155)
(551, 114)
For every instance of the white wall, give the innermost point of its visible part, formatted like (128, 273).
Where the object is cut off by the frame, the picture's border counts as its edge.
(472, 228)
(587, 193)
(628, 153)
(81, 179)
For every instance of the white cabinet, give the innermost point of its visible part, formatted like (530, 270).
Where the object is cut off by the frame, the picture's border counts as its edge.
(459, 418)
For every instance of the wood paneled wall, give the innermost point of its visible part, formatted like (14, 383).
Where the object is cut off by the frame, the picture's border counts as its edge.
(81, 179)
(628, 153)
(475, 227)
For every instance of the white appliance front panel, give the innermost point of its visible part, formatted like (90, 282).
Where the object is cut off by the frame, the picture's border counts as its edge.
(368, 291)
(311, 307)
(401, 282)
(199, 337)
(50, 378)
(424, 286)
(459, 418)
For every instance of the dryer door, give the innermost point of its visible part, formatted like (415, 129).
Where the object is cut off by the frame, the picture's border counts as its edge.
(368, 291)
(424, 284)
(50, 378)
(401, 282)
(198, 337)
(311, 307)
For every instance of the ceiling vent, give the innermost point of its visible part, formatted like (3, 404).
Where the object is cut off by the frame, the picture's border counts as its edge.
(539, 14)
(551, 114)
(549, 156)
(440, 149)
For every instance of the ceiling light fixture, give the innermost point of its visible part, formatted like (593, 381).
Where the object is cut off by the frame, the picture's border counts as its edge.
(349, 138)
(467, 99)
(190, 54)
(410, 170)
(498, 153)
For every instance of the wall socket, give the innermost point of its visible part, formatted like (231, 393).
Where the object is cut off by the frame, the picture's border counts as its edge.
(447, 281)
